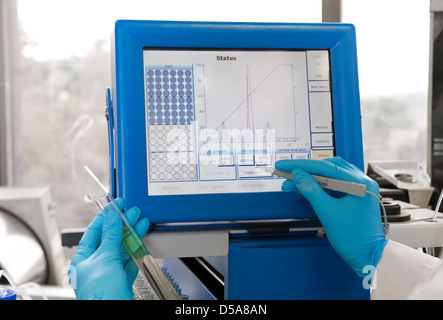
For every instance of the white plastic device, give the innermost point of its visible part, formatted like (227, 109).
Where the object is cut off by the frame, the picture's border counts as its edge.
(352, 188)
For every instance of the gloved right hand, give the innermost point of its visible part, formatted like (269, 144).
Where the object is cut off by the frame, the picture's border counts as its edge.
(352, 224)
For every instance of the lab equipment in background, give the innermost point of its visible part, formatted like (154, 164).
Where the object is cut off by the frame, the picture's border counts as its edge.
(30, 246)
(189, 119)
(21, 252)
(131, 241)
(404, 175)
(407, 197)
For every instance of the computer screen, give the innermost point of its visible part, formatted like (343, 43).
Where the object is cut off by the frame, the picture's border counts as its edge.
(196, 108)
(213, 117)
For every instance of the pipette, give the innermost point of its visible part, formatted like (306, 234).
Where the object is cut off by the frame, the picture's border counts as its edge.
(130, 240)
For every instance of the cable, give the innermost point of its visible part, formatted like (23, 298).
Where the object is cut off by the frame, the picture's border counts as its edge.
(437, 207)
(385, 224)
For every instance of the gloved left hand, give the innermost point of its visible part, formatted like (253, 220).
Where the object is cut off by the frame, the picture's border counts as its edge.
(101, 268)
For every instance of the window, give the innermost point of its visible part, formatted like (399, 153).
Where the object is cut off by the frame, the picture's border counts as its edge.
(393, 55)
(64, 69)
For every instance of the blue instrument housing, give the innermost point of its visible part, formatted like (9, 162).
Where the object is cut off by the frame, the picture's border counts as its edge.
(126, 103)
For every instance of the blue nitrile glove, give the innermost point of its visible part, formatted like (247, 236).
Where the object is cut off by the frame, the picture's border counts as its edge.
(352, 224)
(101, 268)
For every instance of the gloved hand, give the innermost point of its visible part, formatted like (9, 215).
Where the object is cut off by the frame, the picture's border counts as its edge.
(352, 224)
(101, 268)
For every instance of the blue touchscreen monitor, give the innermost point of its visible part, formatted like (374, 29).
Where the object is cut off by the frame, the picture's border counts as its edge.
(199, 107)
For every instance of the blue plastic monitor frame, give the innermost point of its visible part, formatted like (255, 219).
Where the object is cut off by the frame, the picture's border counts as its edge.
(128, 176)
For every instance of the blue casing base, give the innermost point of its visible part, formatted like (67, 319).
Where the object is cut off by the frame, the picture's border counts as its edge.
(276, 268)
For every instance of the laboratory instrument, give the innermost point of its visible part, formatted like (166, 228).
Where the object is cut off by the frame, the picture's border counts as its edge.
(199, 122)
(193, 109)
(130, 239)
(30, 241)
